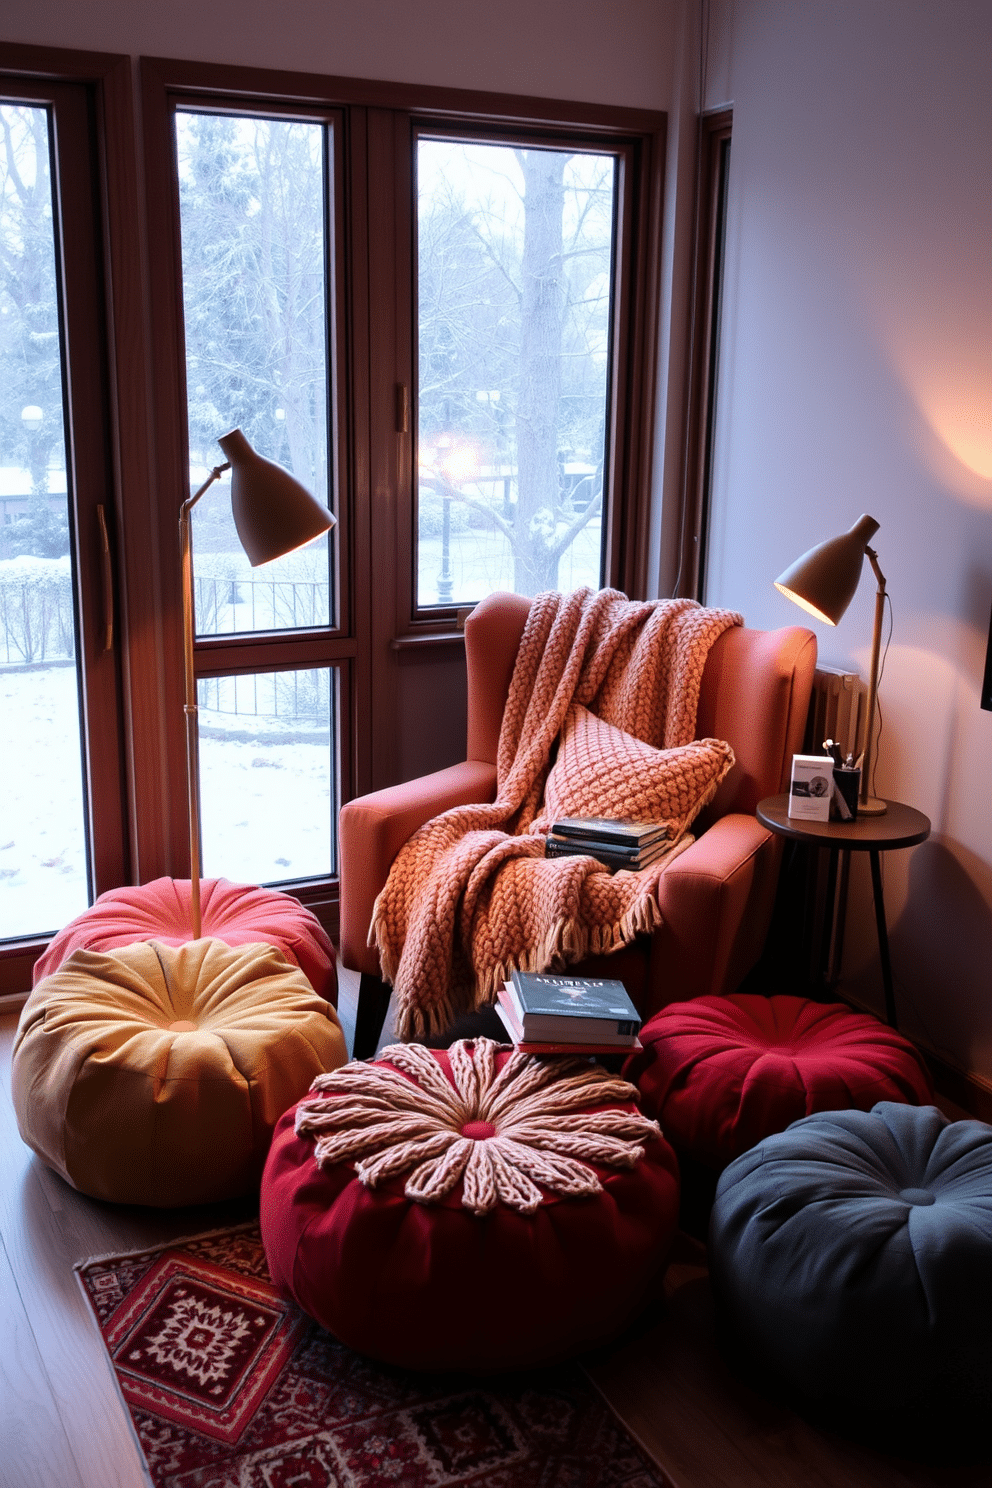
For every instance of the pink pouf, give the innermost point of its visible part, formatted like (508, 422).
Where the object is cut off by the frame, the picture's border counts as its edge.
(238, 914)
(470, 1208)
(722, 1073)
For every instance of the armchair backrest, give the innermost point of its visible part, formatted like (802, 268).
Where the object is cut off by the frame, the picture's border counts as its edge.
(755, 694)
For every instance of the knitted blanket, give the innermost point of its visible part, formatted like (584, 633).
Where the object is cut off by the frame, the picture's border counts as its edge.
(471, 895)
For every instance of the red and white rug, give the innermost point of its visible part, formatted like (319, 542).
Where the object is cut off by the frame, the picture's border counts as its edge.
(227, 1383)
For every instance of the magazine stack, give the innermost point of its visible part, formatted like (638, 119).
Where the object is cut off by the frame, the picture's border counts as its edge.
(617, 844)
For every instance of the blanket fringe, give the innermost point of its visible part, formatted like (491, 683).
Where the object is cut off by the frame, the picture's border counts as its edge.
(570, 941)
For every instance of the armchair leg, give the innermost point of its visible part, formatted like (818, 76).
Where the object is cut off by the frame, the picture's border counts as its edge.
(373, 1003)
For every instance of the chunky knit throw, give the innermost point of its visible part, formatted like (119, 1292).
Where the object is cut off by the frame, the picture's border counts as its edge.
(471, 895)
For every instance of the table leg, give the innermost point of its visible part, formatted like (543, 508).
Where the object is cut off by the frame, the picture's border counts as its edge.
(883, 938)
(827, 929)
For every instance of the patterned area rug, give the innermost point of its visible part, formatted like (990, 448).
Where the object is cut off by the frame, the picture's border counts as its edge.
(229, 1384)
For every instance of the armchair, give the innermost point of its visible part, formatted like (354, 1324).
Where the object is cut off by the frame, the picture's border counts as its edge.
(716, 897)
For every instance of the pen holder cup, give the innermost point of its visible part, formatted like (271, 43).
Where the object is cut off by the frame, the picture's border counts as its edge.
(848, 784)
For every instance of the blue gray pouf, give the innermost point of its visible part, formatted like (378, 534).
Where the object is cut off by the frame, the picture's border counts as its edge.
(851, 1256)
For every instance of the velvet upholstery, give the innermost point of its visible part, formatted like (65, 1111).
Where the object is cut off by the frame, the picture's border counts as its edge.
(851, 1256)
(155, 1074)
(717, 896)
(722, 1073)
(435, 1286)
(238, 914)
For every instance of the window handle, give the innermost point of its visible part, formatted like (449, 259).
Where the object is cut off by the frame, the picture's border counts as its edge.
(402, 408)
(108, 581)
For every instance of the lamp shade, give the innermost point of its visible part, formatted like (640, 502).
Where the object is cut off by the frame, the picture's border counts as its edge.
(273, 512)
(823, 580)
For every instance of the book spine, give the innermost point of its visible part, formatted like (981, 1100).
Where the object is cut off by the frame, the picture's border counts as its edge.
(612, 837)
(574, 1026)
(577, 849)
(591, 844)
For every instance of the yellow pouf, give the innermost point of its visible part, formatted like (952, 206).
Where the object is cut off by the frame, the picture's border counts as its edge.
(155, 1074)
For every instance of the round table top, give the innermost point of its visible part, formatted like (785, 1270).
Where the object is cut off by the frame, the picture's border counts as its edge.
(901, 826)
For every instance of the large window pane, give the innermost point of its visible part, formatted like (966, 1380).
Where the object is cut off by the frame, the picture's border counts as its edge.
(267, 775)
(515, 272)
(253, 218)
(43, 873)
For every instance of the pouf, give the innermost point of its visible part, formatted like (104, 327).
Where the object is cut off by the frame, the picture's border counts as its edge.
(469, 1208)
(721, 1073)
(851, 1257)
(155, 1074)
(239, 914)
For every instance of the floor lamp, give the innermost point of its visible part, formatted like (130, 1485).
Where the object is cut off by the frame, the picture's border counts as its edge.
(823, 582)
(274, 514)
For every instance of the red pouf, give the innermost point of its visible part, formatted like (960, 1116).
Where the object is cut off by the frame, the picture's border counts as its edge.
(468, 1208)
(238, 914)
(722, 1073)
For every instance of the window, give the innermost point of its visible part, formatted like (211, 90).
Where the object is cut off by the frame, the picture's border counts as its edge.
(441, 323)
(343, 270)
(61, 825)
(515, 298)
(254, 219)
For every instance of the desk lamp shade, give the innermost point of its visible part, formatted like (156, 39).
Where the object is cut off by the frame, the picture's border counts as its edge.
(273, 512)
(823, 582)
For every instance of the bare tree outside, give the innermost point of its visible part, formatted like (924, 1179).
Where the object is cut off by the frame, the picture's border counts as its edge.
(253, 219)
(515, 293)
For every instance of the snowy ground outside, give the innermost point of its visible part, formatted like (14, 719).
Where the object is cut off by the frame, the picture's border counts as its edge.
(266, 806)
(267, 800)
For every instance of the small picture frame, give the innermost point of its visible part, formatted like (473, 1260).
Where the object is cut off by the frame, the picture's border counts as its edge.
(812, 787)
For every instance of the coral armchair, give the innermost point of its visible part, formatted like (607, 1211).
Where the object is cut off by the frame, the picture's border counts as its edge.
(716, 897)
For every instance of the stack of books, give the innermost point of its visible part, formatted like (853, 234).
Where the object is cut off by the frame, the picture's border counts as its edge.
(548, 1014)
(616, 843)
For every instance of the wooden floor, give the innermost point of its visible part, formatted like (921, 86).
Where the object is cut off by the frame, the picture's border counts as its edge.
(62, 1424)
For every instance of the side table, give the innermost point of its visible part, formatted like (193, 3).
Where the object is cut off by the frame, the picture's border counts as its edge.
(901, 826)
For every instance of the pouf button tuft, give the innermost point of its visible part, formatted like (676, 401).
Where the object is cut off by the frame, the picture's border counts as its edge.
(917, 1196)
(181, 1025)
(478, 1131)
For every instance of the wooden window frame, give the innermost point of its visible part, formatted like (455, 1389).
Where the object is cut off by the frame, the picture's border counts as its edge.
(715, 131)
(90, 96)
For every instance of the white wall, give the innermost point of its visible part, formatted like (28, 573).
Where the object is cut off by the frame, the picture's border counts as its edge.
(585, 50)
(856, 376)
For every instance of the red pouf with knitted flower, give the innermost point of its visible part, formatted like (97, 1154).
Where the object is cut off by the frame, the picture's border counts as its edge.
(470, 1208)
(722, 1073)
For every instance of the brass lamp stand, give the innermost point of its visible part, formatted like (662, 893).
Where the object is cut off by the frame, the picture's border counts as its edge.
(274, 514)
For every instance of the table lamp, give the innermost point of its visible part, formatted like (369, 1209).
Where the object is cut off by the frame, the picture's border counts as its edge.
(274, 514)
(823, 582)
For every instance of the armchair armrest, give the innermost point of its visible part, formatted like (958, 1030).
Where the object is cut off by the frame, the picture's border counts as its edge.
(373, 828)
(716, 899)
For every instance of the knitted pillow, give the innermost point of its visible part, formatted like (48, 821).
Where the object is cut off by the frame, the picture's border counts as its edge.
(602, 771)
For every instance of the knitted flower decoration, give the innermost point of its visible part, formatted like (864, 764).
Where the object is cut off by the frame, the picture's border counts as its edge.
(502, 1132)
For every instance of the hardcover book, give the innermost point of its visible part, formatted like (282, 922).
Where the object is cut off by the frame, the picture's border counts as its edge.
(550, 1006)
